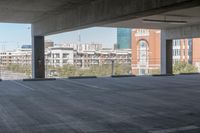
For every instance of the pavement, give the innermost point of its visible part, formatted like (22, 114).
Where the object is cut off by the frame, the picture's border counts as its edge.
(103, 105)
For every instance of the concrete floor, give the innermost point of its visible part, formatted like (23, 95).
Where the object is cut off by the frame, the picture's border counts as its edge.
(102, 105)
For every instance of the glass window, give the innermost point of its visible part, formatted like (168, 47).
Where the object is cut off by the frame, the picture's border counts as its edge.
(57, 55)
(143, 51)
(65, 55)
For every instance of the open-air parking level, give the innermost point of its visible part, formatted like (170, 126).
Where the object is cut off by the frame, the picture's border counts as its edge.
(143, 104)
(146, 104)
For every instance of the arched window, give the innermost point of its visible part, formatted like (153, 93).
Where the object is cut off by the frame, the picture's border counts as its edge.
(143, 57)
(143, 52)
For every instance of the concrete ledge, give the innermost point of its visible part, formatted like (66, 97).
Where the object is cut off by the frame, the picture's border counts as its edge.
(82, 77)
(189, 73)
(162, 75)
(121, 76)
(39, 79)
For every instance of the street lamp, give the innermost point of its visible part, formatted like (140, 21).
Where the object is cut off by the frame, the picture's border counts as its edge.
(113, 67)
(0, 66)
(46, 69)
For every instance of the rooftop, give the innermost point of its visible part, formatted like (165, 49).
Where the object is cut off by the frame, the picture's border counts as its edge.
(103, 105)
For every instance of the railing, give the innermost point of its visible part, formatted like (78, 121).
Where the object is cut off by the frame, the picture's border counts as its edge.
(90, 67)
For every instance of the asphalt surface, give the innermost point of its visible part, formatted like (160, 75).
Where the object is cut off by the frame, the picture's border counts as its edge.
(102, 105)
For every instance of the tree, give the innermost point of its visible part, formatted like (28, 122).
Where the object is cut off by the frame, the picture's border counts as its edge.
(93, 70)
(183, 67)
(20, 68)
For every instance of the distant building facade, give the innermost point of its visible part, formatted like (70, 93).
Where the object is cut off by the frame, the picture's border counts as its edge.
(145, 51)
(84, 47)
(20, 56)
(61, 55)
(49, 43)
(187, 50)
(194, 56)
(105, 56)
(124, 38)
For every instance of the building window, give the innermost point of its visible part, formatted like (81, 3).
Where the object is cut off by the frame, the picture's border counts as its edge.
(65, 61)
(190, 51)
(143, 57)
(57, 61)
(57, 55)
(65, 55)
(143, 53)
(142, 71)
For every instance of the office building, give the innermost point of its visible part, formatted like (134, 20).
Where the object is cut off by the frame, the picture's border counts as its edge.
(146, 51)
(124, 38)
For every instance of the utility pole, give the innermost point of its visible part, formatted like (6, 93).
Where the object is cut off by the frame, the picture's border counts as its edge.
(113, 67)
(0, 67)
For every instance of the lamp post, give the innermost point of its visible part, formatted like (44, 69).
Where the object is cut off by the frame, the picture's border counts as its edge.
(46, 69)
(0, 66)
(113, 67)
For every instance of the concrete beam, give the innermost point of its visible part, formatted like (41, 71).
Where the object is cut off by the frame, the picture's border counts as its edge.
(101, 12)
(191, 31)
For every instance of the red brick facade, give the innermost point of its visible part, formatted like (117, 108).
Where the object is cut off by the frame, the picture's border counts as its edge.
(146, 51)
(152, 62)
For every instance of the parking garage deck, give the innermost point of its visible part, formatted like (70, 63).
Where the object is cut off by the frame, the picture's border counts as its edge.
(102, 105)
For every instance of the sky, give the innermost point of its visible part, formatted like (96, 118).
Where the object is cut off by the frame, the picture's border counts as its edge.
(102, 35)
(12, 36)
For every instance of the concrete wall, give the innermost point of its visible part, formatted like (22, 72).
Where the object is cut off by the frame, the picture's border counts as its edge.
(163, 52)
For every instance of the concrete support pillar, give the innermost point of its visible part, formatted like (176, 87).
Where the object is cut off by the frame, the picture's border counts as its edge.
(169, 56)
(38, 57)
(166, 54)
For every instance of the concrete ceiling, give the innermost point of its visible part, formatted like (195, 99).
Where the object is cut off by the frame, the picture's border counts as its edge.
(29, 11)
(53, 16)
(190, 15)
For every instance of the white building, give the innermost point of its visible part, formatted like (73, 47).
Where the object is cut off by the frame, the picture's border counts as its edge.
(106, 56)
(19, 56)
(84, 47)
(59, 56)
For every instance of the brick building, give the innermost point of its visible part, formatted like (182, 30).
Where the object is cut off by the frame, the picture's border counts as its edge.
(146, 51)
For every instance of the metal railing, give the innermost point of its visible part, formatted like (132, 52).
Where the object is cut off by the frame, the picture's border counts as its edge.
(106, 67)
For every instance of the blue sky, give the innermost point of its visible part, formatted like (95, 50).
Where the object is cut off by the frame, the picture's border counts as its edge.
(105, 36)
(14, 35)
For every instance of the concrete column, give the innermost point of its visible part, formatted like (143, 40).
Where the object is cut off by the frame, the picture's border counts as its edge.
(166, 54)
(38, 57)
(169, 56)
